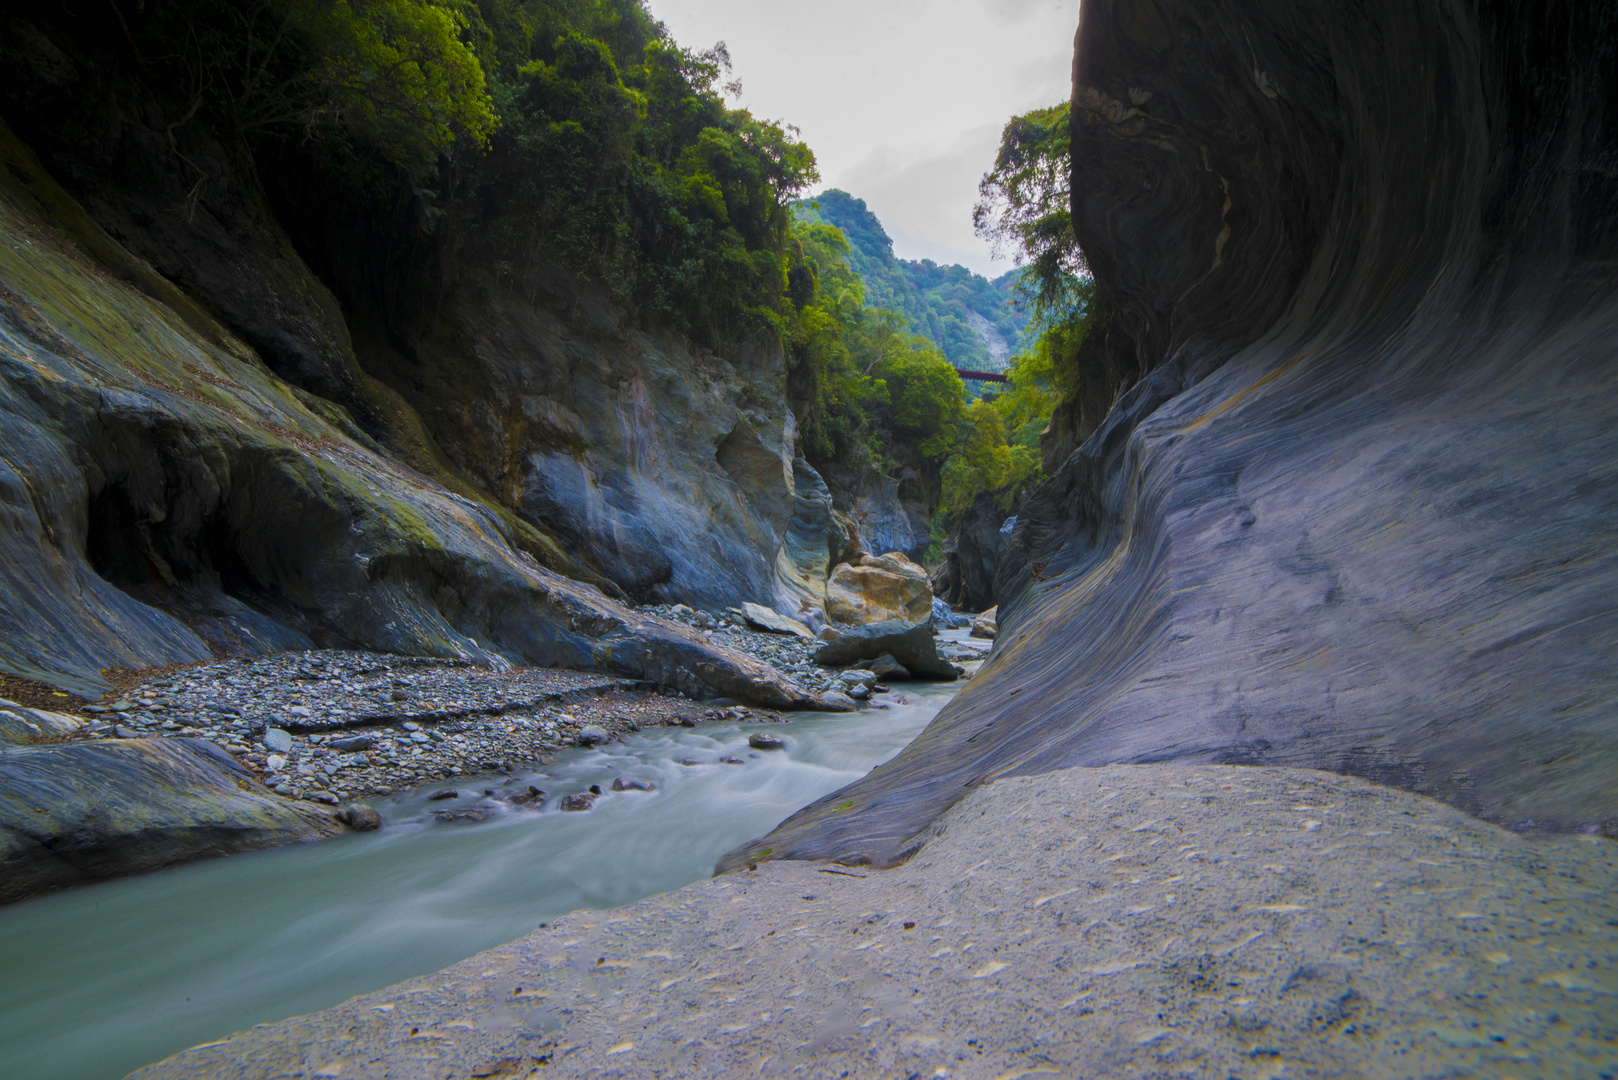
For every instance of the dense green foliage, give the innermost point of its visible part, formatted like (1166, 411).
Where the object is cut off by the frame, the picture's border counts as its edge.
(937, 302)
(571, 132)
(873, 391)
(1023, 206)
(870, 329)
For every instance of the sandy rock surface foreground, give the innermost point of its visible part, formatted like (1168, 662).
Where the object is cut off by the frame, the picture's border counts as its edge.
(1121, 921)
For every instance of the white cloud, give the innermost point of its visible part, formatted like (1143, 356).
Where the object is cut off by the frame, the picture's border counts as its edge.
(919, 195)
(902, 100)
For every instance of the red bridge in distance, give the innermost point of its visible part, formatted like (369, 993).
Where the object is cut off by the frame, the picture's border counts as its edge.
(981, 376)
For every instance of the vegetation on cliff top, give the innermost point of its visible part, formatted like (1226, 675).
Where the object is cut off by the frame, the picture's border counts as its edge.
(571, 132)
(878, 391)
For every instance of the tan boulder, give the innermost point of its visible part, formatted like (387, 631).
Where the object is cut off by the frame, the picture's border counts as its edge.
(879, 588)
(987, 624)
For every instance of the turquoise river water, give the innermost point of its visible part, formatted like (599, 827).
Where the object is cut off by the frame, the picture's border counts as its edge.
(102, 979)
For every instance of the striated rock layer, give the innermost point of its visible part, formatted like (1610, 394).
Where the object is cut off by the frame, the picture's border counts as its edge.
(1353, 506)
(162, 492)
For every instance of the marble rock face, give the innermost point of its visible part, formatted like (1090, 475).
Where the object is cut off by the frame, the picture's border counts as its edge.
(885, 520)
(973, 553)
(1337, 491)
(815, 540)
(878, 588)
(82, 811)
(20, 725)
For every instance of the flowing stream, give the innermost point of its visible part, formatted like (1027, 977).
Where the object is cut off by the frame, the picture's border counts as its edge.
(102, 979)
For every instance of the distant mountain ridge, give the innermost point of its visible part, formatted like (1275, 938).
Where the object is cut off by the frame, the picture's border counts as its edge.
(973, 320)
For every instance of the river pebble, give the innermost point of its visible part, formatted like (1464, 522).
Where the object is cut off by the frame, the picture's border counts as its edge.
(332, 726)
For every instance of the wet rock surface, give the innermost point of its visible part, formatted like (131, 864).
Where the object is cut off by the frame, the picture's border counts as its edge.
(1130, 920)
(74, 812)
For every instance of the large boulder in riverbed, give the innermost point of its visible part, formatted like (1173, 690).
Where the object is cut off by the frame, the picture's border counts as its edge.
(987, 624)
(83, 811)
(878, 588)
(911, 644)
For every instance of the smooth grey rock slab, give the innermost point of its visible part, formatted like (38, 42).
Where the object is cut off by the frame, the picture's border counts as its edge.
(1127, 921)
(911, 644)
(762, 617)
(83, 811)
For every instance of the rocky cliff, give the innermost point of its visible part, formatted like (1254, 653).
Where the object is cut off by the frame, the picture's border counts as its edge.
(166, 495)
(1352, 506)
(616, 453)
(212, 447)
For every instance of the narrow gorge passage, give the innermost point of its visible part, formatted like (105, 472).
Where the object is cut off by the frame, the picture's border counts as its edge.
(553, 470)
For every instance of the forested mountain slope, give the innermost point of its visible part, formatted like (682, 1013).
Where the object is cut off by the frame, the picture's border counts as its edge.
(975, 321)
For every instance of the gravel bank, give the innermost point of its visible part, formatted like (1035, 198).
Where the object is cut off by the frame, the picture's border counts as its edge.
(1161, 921)
(332, 725)
(335, 725)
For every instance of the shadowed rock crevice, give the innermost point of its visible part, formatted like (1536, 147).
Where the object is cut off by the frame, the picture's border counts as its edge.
(1350, 507)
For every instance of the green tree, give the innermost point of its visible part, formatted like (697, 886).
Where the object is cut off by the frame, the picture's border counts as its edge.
(1023, 206)
(400, 75)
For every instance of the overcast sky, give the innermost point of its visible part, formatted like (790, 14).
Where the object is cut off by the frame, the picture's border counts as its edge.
(902, 100)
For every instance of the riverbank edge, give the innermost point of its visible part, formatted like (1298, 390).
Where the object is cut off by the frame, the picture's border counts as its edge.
(312, 734)
(1187, 920)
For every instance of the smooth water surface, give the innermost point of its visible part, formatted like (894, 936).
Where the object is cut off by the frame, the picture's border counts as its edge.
(102, 979)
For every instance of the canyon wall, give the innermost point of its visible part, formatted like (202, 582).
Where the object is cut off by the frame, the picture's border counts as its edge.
(1338, 488)
(616, 452)
(163, 495)
(208, 449)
